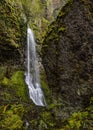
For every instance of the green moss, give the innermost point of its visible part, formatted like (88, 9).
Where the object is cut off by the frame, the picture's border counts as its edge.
(5, 81)
(11, 117)
(34, 123)
(18, 109)
(80, 120)
(18, 84)
(54, 36)
(14, 88)
(62, 29)
(45, 87)
(10, 21)
(12, 85)
(46, 91)
(47, 120)
(12, 122)
(6, 96)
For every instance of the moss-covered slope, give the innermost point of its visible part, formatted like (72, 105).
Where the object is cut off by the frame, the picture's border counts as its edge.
(13, 90)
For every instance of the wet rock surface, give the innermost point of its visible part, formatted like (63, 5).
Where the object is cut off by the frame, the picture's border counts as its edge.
(67, 54)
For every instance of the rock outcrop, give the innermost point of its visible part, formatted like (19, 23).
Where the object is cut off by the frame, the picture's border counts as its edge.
(13, 90)
(67, 54)
(12, 32)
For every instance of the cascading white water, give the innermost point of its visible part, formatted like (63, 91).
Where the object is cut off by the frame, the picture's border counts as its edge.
(32, 75)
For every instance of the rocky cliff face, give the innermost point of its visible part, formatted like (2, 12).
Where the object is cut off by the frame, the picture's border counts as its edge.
(13, 90)
(12, 32)
(67, 58)
(40, 13)
(67, 55)
(17, 111)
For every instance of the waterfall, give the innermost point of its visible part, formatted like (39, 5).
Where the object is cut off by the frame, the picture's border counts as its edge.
(32, 73)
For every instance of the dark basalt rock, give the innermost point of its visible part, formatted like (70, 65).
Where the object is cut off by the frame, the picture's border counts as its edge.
(67, 54)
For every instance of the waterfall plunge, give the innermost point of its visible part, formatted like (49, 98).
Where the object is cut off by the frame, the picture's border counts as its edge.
(32, 74)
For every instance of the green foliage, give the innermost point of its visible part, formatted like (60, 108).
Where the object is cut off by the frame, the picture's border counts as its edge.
(11, 117)
(11, 19)
(5, 81)
(45, 87)
(62, 29)
(33, 8)
(81, 120)
(47, 121)
(18, 109)
(6, 96)
(15, 85)
(34, 11)
(11, 122)
(18, 84)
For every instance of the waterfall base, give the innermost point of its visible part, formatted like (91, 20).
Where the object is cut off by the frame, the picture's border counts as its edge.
(35, 92)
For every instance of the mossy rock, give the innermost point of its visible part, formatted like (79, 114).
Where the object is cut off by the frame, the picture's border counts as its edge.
(18, 84)
(12, 31)
(45, 87)
(11, 117)
(14, 85)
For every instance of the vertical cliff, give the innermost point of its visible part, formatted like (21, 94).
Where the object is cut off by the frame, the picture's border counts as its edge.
(40, 13)
(17, 111)
(13, 90)
(67, 54)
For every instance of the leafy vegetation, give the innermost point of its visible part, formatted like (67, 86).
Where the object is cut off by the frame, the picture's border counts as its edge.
(81, 120)
(16, 108)
(11, 117)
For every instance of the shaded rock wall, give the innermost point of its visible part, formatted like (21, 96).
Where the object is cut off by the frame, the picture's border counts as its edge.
(17, 111)
(12, 32)
(13, 90)
(67, 55)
